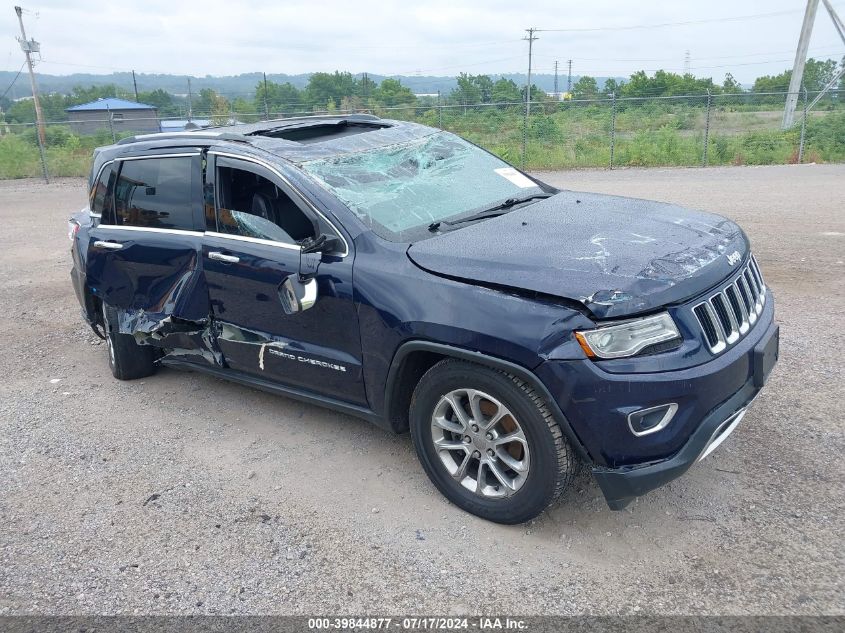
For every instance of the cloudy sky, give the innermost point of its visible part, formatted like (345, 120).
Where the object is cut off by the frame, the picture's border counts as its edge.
(435, 37)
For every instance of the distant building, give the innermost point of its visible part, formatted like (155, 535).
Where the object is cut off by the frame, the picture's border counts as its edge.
(180, 125)
(127, 116)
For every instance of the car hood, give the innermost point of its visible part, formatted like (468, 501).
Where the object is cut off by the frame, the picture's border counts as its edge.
(617, 256)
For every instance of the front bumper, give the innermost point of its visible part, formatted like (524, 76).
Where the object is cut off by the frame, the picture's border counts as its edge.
(621, 485)
(711, 400)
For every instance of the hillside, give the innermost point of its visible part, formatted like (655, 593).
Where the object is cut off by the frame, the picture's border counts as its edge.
(244, 85)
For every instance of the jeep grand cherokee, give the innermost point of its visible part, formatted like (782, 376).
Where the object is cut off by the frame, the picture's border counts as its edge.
(399, 273)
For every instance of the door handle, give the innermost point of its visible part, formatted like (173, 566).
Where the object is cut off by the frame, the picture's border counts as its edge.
(112, 246)
(220, 257)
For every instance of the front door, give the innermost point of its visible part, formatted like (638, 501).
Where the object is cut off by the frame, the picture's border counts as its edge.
(250, 248)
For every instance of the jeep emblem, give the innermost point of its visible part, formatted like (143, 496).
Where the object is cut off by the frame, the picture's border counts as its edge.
(734, 257)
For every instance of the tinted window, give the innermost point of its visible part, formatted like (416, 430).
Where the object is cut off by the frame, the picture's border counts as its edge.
(101, 201)
(155, 193)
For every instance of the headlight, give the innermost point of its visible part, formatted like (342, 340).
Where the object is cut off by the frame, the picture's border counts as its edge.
(626, 339)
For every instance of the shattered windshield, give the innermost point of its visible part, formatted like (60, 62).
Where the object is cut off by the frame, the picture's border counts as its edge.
(400, 190)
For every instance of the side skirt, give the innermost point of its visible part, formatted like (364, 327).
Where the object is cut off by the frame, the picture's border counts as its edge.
(281, 390)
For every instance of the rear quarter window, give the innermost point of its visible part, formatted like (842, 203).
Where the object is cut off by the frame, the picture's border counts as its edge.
(101, 200)
(155, 193)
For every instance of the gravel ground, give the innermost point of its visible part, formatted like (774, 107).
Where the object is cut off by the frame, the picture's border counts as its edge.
(181, 493)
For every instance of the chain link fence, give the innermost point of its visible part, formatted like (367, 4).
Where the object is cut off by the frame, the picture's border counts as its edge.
(604, 132)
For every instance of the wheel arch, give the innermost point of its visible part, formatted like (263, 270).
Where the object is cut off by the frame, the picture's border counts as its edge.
(413, 358)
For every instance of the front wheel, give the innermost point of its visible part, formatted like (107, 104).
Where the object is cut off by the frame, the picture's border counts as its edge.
(489, 442)
(127, 359)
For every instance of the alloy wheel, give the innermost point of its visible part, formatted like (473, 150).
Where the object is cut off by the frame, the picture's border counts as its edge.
(480, 443)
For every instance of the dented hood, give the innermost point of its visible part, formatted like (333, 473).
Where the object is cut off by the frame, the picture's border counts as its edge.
(618, 256)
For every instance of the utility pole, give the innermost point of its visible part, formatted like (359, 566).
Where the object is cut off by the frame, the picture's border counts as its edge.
(569, 78)
(837, 22)
(266, 107)
(190, 102)
(29, 47)
(797, 78)
(135, 84)
(531, 39)
(556, 92)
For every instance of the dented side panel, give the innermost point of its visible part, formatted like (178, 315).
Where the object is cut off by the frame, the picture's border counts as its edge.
(156, 283)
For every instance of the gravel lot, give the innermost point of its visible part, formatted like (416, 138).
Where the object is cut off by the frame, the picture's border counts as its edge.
(181, 493)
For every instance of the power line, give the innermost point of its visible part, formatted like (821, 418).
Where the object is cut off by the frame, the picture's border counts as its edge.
(661, 25)
(20, 70)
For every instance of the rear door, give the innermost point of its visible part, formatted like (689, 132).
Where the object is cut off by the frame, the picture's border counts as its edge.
(144, 257)
(252, 245)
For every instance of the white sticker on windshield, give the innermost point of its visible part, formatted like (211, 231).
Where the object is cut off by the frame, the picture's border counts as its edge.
(520, 180)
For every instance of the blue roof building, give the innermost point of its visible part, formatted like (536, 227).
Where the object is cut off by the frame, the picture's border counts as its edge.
(111, 103)
(115, 114)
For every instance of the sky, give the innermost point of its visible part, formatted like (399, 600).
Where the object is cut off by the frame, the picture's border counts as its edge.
(434, 37)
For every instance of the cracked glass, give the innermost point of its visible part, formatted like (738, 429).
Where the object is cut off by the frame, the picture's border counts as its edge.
(398, 191)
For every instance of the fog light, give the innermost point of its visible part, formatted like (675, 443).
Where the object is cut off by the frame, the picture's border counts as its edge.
(651, 420)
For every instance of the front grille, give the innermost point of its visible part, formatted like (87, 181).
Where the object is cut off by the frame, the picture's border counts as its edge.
(729, 314)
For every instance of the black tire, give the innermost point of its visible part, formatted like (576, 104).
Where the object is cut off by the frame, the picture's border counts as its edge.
(127, 359)
(553, 462)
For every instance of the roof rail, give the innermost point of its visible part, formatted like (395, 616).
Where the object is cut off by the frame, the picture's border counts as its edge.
(161, 136)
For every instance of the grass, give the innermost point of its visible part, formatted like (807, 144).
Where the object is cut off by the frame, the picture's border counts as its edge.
(559, 136)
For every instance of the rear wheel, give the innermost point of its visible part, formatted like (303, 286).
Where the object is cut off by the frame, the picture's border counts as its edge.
(489, 442)
(127, 359)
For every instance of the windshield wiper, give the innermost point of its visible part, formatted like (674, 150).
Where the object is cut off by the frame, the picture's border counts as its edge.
(490, 212)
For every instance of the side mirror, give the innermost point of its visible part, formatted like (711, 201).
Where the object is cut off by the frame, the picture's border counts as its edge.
(297, 295)
(321, 244)
(299, 292)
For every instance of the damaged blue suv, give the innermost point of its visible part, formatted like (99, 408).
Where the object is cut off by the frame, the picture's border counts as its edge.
(399, 273)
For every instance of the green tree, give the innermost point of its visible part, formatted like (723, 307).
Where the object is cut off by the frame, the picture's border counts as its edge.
(203, 103)
(162, 100)
(485, 87)
(325, 87)
(472, 89)
(281, 98)
(81, 95)
(586, 88)
(818, 73)
(506, 91)
(731, 85)
(220, 110)
(467, 92)
(52, 106)
(611, 86)
(773, 83)
(664, 83)
(391, 92)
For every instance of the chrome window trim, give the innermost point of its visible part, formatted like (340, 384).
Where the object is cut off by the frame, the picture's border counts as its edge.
(254, 240)
(95, 181)
(100, 173)
(151, 229)
(240, 238)
(176, 155)
(144, 228)
(274, 170)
